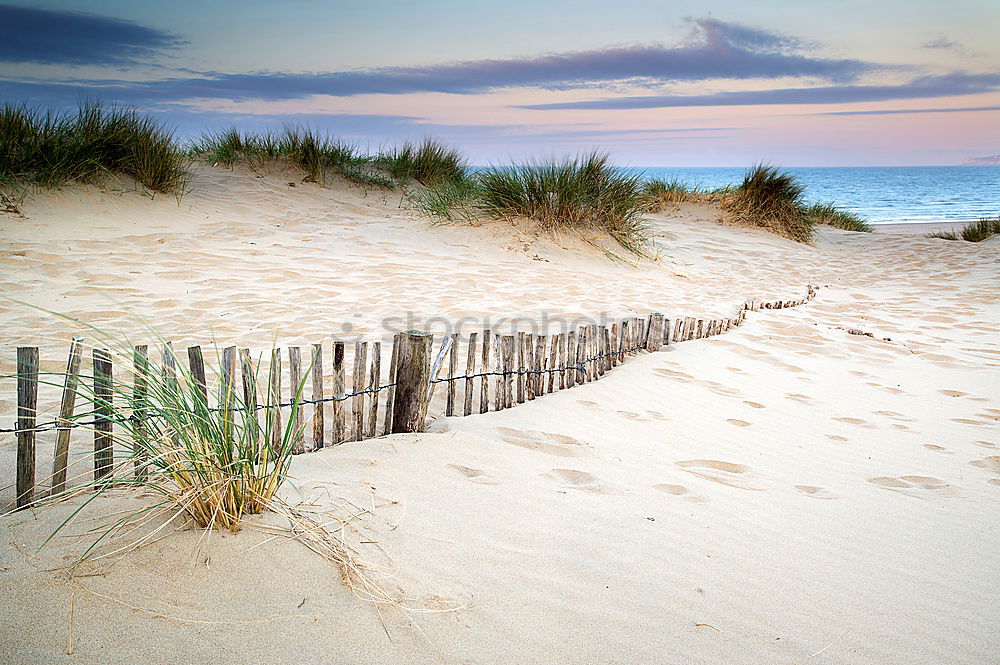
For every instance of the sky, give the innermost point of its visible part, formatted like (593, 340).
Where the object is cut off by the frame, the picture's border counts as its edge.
(653, 83)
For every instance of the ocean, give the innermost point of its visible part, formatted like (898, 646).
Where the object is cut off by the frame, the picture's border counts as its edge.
(883, 195)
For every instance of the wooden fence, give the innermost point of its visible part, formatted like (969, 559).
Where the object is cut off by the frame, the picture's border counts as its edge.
(500, 371)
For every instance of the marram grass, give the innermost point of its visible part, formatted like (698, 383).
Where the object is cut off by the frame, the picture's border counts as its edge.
(583, 193)
(972, 232)
(202, 452)
(770, 199)
(50, 149)
(831, 215)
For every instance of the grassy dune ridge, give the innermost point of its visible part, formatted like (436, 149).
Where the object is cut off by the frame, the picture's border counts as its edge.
(586, 192)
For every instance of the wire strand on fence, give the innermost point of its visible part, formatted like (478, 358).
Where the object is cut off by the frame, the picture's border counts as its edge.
(56, 425)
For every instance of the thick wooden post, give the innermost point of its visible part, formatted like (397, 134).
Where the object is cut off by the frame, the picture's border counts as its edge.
(103, 450)
(470, 369)
(339, 383)
(27, 413)
(413, 371)
(654, 338)
(319, 408)
(66, 408)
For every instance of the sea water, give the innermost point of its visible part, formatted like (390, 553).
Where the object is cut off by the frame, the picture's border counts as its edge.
(882, 195)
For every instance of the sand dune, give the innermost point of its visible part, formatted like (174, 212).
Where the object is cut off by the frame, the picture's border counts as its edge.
(785, 492)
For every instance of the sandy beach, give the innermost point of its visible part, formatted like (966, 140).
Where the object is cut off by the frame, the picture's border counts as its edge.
(783, 493)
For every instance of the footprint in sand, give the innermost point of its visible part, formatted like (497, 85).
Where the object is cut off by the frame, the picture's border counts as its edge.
(986, 444)
(553, 444)
(681, 491)
(801, 399)
(631, 415)
(754, 405)
(475, 475)
(815, 492)
(581, 480)
(836, 437)
(953, 393)
(855, 421)
(657, 415)
(680, 376)
(728, 473)
(586, 402)
(737, 422)
(916, 486)
(894, 415)
(991, 463)
(937, 449)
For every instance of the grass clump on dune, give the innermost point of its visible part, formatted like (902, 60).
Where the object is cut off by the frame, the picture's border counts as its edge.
(659, 193)
(315, 153)
(430, 163)
(586, 192)
(49, 149)
(973, 232)
(320, 155)
(201, 453)
(770, 199)
(831, 215)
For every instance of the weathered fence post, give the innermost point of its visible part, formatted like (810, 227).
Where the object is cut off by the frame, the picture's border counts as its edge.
(452, 368)
(140, 399)
(338, 395)
(373, 382)
(196, 365)
(654, 338)
(103, 450)
(296, 388)
(27, 402)
(507, 347)
(66, 407)
(391, 381)
(413, 370)
(358, 403)
(484, 387)
(470, 369)
(274, 399)
(319, 406)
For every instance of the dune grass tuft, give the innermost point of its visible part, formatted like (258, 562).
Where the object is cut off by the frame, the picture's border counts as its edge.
(430, 163)
(972, 232)
(659, 193)
(832, 215)
(585, 192)
(202, 453)
(315, 153)
(49, 149)
(770, 199)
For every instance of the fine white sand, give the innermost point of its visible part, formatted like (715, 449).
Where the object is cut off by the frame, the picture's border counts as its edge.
(783, 493)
